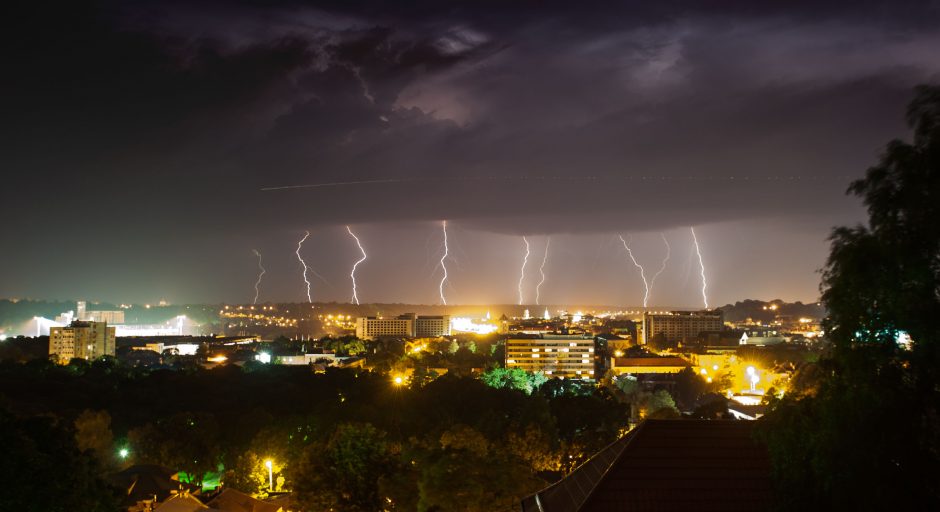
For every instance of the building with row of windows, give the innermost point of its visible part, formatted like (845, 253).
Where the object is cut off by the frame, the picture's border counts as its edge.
(566, 356)
(679, 326)
(81, 340)
(408, 325)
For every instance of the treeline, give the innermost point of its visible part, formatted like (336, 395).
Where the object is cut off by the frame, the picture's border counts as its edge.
(344, 439)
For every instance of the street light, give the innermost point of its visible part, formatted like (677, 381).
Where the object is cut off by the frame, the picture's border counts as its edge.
(270, 466)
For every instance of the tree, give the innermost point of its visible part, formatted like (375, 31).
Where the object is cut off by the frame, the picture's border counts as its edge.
(513, 378)
(344, 473)
(187, 442)
(660, 405)
(93, 434)
(42, 469)
(867, 435)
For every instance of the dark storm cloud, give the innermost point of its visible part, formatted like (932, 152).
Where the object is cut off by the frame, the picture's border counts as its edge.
(163, 120)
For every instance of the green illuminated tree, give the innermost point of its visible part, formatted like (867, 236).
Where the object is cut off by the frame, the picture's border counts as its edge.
(513, 378)
(866, 435)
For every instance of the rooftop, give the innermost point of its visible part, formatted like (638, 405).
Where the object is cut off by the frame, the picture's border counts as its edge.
(667, 465)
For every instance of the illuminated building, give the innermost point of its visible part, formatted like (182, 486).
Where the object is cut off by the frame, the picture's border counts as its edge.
(111, 317)
(374, 327)
(647, 365)
(83, 340)
(679, 326)
(432, 326)
(408, 325)
(555, 355)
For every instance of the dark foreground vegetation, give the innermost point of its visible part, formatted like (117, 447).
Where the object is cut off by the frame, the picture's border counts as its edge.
(863, 432)
(344, 439)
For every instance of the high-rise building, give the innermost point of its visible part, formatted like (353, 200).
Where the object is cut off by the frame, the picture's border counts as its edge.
(679, 326)
(83, 340)
(408, 325)
(555, 355)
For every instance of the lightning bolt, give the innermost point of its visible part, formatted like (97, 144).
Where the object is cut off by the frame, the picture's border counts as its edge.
(701, 265)
(522, 271)
(258, 282)
(302, 262)
(352, 275)
(665, 260)
(548, 242)
(646, 296)
(443, 266)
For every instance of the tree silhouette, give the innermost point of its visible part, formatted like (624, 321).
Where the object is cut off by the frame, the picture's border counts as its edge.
(867, 435)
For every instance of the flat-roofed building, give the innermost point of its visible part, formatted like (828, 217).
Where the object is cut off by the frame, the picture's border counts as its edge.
(370, 327)
(408, 325)
(563, 356)
(646, 365)
(82, 340)
(680, 326)
(432, 326)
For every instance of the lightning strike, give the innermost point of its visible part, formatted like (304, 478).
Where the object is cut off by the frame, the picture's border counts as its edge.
(522, 271)
(302, 262)
(548, 242)
(352, 274)
(260, 275)
(665, 260)
(443, 266)
(701, 265)
(646, 285)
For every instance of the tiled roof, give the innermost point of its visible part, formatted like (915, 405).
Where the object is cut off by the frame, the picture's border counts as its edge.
(669, 465)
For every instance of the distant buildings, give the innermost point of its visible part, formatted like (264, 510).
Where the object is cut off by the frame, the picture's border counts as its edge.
(556, 355)
(82, 340)
(111, 317)
(408, 325)
(80, 313)
(670, 328)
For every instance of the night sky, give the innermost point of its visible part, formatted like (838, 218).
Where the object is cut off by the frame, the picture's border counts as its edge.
(138, 138)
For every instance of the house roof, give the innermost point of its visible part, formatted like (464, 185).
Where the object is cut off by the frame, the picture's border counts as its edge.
(232, 500)
(180, 503)
(668, 465)
(144, 481)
